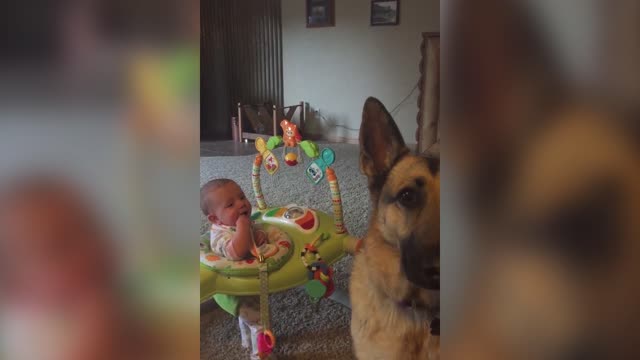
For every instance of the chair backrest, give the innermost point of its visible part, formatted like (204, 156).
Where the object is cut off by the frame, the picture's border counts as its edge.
(260, 117)
(287, 113)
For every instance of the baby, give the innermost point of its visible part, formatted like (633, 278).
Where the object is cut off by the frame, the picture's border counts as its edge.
(228, 210)
(226, 207)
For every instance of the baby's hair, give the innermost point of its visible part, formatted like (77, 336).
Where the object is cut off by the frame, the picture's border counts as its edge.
(208, 187)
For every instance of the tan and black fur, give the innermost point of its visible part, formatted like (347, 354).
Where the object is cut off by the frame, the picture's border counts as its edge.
(550, 182)
(395, 281)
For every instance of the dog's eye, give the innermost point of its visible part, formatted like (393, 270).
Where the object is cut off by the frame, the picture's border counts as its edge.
(408, 198)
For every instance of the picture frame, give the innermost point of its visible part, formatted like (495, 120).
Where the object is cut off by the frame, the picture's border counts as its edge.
(385, 12)
(320, 13)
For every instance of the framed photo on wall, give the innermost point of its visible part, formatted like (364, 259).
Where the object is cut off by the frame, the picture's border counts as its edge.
(384, 12)
(320, 13)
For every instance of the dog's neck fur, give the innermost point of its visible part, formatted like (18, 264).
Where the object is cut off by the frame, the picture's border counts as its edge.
(376, 253)
(406, 326)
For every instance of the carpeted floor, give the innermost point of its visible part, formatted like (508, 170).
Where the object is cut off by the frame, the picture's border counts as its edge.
(304, 331)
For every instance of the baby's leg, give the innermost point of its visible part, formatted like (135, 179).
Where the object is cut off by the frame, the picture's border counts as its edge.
(249, 316)
(254, 341)
(260, 237)
(244, 333)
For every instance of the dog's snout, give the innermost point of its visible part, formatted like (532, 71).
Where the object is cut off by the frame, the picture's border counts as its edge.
(421, 264)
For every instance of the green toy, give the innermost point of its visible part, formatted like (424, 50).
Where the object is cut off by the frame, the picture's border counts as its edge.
(274, 142)
(310, 148)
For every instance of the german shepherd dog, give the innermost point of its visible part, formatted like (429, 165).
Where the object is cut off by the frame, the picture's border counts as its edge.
(552, 183)
(396, 277)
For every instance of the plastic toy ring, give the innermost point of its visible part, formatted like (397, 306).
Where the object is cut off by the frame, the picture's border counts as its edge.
(269, 339)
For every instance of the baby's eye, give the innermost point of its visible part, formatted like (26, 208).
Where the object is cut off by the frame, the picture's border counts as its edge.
(229, 205)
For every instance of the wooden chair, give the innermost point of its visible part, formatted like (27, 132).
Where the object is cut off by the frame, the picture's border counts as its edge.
(428, 132)
(265, 121)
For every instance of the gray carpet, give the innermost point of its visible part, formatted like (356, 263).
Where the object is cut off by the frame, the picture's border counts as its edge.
(304, 331)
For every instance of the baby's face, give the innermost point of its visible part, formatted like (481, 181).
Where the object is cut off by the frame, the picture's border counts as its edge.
(229, 203)
(51, 250)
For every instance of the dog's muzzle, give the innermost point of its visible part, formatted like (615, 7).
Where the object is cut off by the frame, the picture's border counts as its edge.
(421, 264)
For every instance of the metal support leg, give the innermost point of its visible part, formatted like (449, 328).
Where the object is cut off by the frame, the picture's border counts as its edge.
(342, 297)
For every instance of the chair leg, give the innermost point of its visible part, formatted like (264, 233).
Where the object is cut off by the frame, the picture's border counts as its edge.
(342, 297)
(239, 123)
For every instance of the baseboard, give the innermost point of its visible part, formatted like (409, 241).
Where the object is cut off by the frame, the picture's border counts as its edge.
(356, 141)
(343, 140)
(348, 140)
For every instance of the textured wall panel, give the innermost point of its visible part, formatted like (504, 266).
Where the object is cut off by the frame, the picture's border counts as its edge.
(241, 60)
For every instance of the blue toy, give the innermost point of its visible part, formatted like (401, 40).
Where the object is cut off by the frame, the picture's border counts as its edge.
(315, 171)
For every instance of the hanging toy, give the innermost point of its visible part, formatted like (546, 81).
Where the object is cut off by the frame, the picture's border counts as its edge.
(310, 148)
(291, 138)
(291, 159)
(265, 339)
(270, 161)
(274, 142)
(320, 282)
(266, 342)
(315, 171)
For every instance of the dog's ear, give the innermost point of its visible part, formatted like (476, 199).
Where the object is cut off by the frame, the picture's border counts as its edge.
(381, 143)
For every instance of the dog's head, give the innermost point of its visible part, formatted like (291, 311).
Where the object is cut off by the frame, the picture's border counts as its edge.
(552, 187)
(405, 192)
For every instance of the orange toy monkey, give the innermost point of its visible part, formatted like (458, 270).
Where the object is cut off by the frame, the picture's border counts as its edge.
(291, 138)
(290, 134)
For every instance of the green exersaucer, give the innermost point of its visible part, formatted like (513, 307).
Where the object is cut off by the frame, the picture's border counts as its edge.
(287, 271)
(299, 239)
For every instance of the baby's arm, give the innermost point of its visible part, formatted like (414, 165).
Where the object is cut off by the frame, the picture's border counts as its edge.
(241, 241)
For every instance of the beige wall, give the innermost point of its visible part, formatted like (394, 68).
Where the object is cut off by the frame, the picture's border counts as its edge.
(335, 69)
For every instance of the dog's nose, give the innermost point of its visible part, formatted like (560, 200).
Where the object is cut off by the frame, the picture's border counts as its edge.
(421, 264)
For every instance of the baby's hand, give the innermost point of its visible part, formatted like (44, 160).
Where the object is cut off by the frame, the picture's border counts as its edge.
(243, 221)
(260, 237)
